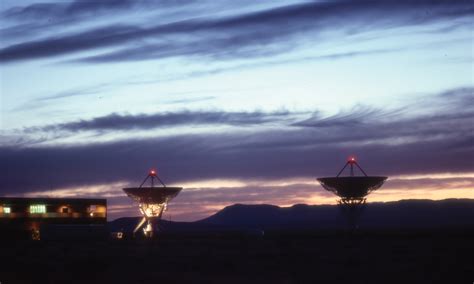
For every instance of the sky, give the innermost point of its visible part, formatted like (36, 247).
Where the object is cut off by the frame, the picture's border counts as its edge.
(236, 101)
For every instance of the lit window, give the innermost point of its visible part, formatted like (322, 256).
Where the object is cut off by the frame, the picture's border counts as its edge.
(7, 210)
(39, 208)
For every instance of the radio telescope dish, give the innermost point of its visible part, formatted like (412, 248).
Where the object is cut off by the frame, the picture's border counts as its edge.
(352, 190)
(152, 201)
(352, 187)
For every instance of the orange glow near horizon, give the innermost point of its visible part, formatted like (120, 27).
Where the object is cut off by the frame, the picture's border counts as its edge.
(202, 198)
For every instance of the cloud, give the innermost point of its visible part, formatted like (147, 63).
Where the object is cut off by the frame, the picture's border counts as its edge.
(41, 19)
(448, 114)
(217, 50)
(431, 183)
(357, 116)
(76, 8)
(120, 122)
(390, 145)
(255, 33)
(190, 100)
(59, 13)
(75, 92)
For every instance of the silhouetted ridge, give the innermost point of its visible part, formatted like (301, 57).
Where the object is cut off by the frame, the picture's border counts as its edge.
(416, 214)
(240, 214)
(404, 213)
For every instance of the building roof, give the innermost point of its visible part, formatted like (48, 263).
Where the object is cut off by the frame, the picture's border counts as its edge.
(48, 200)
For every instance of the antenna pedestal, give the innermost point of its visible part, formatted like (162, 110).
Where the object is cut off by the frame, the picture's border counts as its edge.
(352, 209)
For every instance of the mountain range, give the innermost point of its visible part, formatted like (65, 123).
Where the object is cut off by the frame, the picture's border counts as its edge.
(403, 214)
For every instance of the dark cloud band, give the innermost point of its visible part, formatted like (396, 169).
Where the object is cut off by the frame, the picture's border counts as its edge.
(437, 141)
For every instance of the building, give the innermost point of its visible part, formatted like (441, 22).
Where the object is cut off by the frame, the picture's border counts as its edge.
(38, 217)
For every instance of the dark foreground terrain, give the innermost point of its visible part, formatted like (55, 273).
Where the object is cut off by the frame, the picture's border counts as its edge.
(396, 256)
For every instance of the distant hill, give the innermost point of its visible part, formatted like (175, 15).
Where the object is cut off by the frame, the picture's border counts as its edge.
(417, 214)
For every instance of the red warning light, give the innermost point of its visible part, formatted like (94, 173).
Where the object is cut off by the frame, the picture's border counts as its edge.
(352, 160)
(152, 172)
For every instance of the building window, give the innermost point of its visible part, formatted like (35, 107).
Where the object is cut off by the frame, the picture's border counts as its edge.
(38, 208)
(7, 210)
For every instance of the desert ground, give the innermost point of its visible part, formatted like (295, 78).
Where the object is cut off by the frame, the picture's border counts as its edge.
(395, 256)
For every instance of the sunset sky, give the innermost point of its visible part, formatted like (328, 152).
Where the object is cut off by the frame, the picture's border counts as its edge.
(237, 101)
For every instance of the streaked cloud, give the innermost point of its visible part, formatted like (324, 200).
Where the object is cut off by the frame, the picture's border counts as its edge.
(254, 33)
(393, 145)
(103, 190)
(116, 121)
